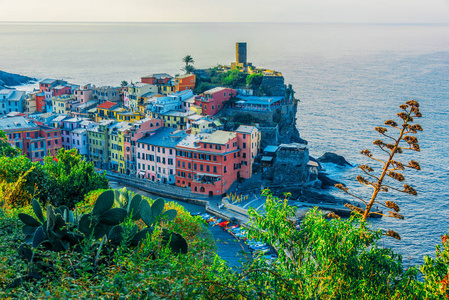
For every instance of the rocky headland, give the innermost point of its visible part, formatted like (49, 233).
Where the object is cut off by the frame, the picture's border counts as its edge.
(9, 79)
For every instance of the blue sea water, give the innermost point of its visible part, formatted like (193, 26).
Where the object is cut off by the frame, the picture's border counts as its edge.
(349, 78)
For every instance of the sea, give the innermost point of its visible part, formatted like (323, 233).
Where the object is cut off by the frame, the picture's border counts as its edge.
(349, 78)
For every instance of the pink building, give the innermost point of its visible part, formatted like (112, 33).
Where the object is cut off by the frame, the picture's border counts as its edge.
(84, 94)
(208, 163)
(142, 128)
(212, 101)
(156, 155)
(248, 138)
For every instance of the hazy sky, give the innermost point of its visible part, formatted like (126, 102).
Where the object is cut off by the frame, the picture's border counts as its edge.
(373, 11)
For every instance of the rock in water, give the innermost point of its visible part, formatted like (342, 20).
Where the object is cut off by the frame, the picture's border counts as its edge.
(330, 157)
(8, 79)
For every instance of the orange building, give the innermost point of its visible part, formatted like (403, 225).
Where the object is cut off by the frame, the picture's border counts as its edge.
(184, 82)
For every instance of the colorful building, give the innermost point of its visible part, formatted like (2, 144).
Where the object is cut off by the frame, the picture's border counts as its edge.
(156, 155)
(35, 139)
(98, 143)
(115, 146)
(106, 93)
(84, 94)
(164, 82)
(129, 116)
(11, 101)
(174, 119)
(184, 82)
(136, 94)
(208, 164)
(212, 101)
(105, 111)
(63, 104)
(139, 129)
(248, 138)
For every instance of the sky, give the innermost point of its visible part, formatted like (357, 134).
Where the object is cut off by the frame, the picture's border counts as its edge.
(302, 11)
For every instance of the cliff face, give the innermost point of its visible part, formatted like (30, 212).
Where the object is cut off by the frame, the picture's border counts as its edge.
(9, 79)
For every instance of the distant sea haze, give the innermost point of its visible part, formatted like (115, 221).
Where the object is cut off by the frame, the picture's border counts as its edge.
(349, 78)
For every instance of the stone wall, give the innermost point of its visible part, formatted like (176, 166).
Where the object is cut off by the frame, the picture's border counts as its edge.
(290, 165)
(273, 85)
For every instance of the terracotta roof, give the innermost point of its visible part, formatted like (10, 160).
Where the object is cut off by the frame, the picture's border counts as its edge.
(106, 104)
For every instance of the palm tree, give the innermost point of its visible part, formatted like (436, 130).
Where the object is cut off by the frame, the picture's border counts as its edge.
(189, 69)
(188, 60)
(124, 83)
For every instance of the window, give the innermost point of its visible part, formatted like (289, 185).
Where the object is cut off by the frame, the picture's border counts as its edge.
(224, 157)
(244, 155)
(224, 169)
(194, 166)
(215, 158)
(215, 169)
(244, 145)
(189, 166)
(244, 136)
(170, 151)
(201, 167)
(207, 168)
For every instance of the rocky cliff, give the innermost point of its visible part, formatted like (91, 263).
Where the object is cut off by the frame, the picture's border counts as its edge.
(9, 79)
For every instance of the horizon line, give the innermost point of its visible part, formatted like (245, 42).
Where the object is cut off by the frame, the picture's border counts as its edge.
(230, 22)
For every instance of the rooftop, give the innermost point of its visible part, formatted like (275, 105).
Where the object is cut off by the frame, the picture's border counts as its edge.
(220, 137)
(79, 130)
(158, 76)
(246, 129)
(59, 118)
(106, 105)
(192, 140)
(264, 100)
(48, 81)
(164, 137)
(214, 90)
(175, 113)
(271, 149)
(18, 122)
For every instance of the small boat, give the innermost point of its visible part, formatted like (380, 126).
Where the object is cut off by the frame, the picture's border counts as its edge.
(196, 213)
(223, 224)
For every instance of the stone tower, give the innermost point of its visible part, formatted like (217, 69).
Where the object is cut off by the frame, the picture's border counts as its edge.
(240, 53)
(240, 58)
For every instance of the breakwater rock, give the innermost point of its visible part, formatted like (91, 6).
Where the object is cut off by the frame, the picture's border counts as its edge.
(330, 157)
(9, 79)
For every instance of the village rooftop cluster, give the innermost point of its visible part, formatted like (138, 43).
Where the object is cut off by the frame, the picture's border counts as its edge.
(156, 129)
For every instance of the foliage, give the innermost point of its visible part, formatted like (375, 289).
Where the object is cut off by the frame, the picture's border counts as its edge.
(254, 80)
(105, 231)
(14, 194)
(35, 182)
(391, 168)
(70, 178)
(188, 60)
(436, 272)
(124, 83)
(6, 150)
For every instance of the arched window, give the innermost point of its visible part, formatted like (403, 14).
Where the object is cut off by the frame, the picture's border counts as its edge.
(202, 189)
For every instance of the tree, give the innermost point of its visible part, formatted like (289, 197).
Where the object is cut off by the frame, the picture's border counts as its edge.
(124, 83)
(189, 69)
(188, 60)
(391, 168)
(70, 177)
(5, 148)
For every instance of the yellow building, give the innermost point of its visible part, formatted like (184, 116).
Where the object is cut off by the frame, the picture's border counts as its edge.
(129, 116)
(202, 126)
(196, 109)
(107, 111)
(116, 146)
(174, 119)
(62, 104)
